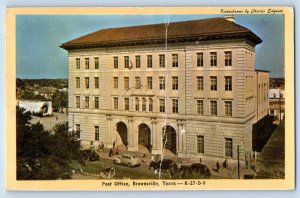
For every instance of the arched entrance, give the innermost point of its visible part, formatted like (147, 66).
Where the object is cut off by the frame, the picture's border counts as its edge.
(122, 131)
(169, 138)
(145, 136)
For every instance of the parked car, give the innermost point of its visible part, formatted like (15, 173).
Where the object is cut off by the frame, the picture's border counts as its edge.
(90, 155)
(201, 169)
(127, 160)
(164, 165)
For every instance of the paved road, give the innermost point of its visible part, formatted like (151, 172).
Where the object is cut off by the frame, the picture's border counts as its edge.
(124, 172)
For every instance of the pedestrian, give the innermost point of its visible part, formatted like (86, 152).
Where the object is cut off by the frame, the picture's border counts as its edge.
(200, 160)
(117, 150)
(225, 163)
(150, 148)
(110, 152)
(218, 166)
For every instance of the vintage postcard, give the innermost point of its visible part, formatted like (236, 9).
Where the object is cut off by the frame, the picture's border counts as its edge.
(172, 98)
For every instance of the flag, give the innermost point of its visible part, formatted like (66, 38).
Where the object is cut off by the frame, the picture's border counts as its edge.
(182, 131)
(130, 65)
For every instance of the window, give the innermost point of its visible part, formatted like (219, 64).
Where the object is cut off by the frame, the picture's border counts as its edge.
(96, 60)
(175, 105)
(87, 63)
(149, 82)
(213, 108)
(77, 79)
(228, 147)
(116, 64)
(213, 59)
(149, 61)
(200, 59)
(138, 61)
(97, 133)
(137, 82)
(96, 102)
(77, 101)
(200, 144)
(162, 107)
(143, 104)
(228, 58)
(150, 104)
(162, 83)
(175, 83)
(228, 108)
(161, 60)
(77, 130)
(126, 83)
(126, 61)
(116, 103)
(213, 83)
(137, 104)
(200, 107)
(116, 84)
(87, 82)
(77, 63)
(199, 82)
(96, 79)
(126, 104)
(87, 102)
(228, 83)
(174, 60)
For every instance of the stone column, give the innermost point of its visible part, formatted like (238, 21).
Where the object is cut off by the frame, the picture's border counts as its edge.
(132, 146)
(110, 131)
(181, 138)
(154, 137)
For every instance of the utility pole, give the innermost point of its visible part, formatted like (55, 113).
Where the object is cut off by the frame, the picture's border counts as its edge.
(279, 106)
(238, 155)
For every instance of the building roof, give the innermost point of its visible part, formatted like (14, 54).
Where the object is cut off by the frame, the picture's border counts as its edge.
(259, 70)
(195, 30)
(35, 106)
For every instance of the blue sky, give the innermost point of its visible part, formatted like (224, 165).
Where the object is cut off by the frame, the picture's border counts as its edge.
(39, 38)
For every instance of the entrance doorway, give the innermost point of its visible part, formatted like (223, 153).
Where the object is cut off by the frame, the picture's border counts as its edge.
(145, 136)
(122, 131)
(169, 138)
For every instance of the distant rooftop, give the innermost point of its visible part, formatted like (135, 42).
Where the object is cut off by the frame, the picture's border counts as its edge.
(259, 70)
(194, 30)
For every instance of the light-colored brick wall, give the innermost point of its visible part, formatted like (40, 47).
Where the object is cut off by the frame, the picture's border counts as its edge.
(214, 128)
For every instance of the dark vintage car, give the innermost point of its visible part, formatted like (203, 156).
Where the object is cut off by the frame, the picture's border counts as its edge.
(201, 169)
(90, 155)
(163, 165)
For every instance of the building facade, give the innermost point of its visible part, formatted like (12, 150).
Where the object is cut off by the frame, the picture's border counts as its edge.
(277, 103)
(190, 87)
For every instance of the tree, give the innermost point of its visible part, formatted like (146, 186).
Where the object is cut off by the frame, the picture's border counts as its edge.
(60, 100)
(20, 85)
(43, 155)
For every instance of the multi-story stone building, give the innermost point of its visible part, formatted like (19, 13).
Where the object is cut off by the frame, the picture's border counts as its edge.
(190, 87)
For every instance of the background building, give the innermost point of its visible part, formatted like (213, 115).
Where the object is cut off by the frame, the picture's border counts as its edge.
(277, 103)
(189, 87)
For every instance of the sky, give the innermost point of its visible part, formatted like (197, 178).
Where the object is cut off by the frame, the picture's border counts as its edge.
(39, 37)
